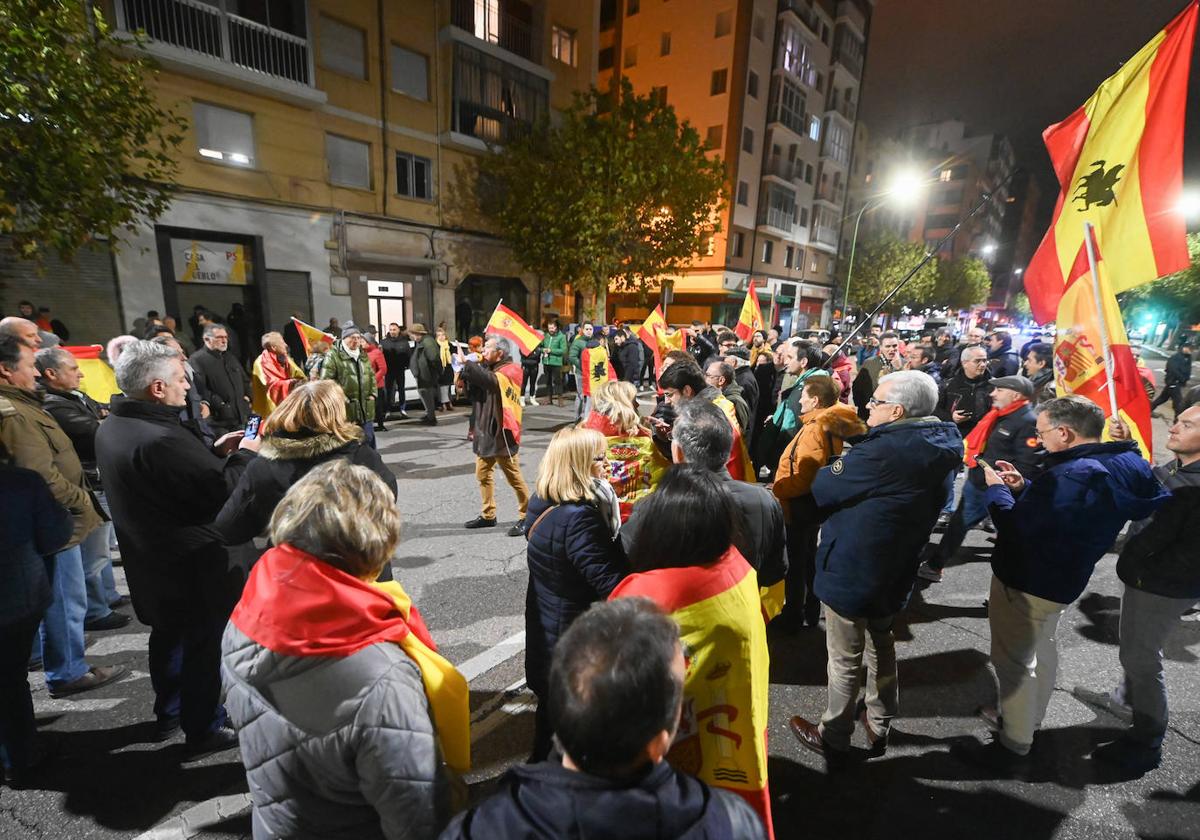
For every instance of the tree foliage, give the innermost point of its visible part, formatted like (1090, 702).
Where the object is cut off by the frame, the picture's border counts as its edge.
(616, 193)
(87, 149)
(961, 283)
(880, 263)
(1174, 298)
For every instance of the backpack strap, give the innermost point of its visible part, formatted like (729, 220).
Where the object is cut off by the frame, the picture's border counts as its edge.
(536, 522)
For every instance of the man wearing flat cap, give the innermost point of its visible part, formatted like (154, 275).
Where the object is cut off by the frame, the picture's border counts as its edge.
(1008, 432)
(347, 365)
(426, 366)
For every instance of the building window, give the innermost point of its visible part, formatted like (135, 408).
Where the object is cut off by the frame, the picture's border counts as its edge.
(343, 48)
(752, 84)
(944, 176)
(494, 100)
(224, 135)
(837, 141)
(789, 254)
(768, 251)
(659, 95)
(941, 221)
(777, 207)
(720, 79)
(812, 266)
(562, 44)
(712, 139)
(814, 128)
(759, 27)
(608, 14)
(414, 176)
(825, 34)
(632, 7)
(738, 241)
(748, 140)
(724, 23)
(349, 162)
(665, 45)
(410, 73)
(789, 105)
(606, 57)
(803, 219)
(743, 194)
(630, 56)
(808, 173)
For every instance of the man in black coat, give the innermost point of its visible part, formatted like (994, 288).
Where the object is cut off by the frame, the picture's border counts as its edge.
(224, 381)
(1006, 433)
(1178, 372)
(79, 416)
(1002, 359)
(165, 488)
(397, 352)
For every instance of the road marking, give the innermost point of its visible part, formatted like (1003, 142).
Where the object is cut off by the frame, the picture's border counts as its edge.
(123, 643)
(493, 656)
(194, 820)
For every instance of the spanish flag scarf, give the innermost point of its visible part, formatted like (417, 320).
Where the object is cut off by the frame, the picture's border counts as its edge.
(297, 605)
(977, 437)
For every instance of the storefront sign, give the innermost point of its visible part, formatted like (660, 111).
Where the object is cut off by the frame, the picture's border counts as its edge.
(220, 263)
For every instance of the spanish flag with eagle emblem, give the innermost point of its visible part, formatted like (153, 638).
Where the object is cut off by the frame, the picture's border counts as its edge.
(1119, 162)
(597, 369)
(510, 378)
(504, 322)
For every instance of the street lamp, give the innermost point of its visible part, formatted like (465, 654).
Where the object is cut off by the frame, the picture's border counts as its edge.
(1189, 205)
(904, 188)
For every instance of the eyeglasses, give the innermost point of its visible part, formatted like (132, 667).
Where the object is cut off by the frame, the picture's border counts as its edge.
(1041, 432)
(871, 403)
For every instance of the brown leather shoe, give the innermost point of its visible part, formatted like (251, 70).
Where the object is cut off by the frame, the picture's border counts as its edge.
(808, 734)
(876, 743)
(96, 676)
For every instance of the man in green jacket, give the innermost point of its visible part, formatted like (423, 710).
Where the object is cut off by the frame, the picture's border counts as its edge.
(554, 354)
(426, 366)
(347, 365)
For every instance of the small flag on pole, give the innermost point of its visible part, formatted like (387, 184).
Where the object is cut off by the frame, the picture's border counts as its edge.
(751, 318)
(508, 324)
(310, 334)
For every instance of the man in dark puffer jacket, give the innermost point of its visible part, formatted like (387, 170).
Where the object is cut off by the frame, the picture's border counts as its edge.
(616, 690)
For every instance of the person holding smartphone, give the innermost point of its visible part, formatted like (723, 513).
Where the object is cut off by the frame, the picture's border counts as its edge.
(963, 399)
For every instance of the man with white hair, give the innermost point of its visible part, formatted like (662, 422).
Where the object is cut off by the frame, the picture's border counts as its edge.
(273, 375)
(223, 380)
(878, 501)
(164, 489)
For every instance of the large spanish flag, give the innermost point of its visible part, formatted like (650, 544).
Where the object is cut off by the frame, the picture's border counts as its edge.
(1119, 161)
(722, 730)
(1079, 350)
(597, 369)
(99, 382)
(271, 380)
(504, 322)
(648, 332)
(310, 334)
(751, 318)
(510, 377)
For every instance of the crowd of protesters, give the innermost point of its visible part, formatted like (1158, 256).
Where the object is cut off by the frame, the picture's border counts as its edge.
(774, 480)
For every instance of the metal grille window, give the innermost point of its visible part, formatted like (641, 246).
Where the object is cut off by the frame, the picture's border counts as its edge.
(349, 162)
(343, 48)
(223, 134)
(414, 176)
(410, 73)
(493, 100)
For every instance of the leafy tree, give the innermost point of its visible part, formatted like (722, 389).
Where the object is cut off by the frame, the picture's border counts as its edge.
(1020, 305)
(880, 263)
(615, 194)
(85, 144)
(1174, 299)
(961, 284)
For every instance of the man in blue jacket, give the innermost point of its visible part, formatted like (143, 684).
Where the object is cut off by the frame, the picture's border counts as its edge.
(879, 502)
(1049, 539)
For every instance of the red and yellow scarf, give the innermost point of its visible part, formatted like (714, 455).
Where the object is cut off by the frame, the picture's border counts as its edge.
(977, 437)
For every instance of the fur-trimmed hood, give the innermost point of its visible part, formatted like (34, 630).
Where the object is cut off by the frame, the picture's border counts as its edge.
(839, 420)
(302, 447)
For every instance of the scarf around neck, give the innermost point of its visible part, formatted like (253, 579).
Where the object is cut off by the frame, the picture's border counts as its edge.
(977, 438)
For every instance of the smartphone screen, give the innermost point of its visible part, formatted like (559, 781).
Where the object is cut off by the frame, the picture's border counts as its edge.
(252, 426)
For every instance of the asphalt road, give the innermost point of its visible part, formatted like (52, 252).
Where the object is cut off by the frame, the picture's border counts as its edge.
(109, 781)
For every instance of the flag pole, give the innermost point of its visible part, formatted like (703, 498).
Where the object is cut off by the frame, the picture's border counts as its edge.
(1088, 242)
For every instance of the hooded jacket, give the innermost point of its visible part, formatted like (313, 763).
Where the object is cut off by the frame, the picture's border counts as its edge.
(284, 459)
(546, 801)
(823, 432)
(1004, 361)
(1162, 554)
(554, 348)
(1050, 538)
(879, 502)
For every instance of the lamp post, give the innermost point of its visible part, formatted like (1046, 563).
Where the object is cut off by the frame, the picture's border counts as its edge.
(905, 186)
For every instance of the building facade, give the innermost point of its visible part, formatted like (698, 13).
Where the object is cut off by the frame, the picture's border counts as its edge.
(324, 172)
(773, 87)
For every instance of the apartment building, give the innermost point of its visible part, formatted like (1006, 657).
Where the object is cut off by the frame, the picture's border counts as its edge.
(323, 169)
(773, 87)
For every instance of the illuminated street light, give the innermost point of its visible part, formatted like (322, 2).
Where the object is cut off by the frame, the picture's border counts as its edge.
(988, 249)
(1189, 205)
(903, 189)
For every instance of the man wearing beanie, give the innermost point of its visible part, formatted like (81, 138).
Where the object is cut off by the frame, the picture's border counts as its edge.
(1006, 433)
(347, 365)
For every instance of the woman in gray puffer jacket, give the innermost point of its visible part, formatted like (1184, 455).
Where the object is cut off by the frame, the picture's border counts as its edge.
(336, 730)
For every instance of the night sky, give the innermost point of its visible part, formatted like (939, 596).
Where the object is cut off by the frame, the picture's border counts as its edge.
(1009, 66)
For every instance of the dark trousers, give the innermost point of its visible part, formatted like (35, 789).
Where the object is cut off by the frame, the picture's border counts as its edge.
(393, 388)
(381, 406)
(369, 432)
(800, 600)
(1174, 393)
(529, 386)
(647, 371)
(429, 398)
(554, 378)
(16, 705)
(185, 668)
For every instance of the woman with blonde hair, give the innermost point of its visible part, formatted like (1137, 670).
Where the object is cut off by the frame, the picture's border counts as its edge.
(574, 557)
(308, 428)
(350, 715)
(446, 377)
(635, 464)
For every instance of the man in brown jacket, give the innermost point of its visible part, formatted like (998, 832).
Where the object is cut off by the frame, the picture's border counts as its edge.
(35, 441)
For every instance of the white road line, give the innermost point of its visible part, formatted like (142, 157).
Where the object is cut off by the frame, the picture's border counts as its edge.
(122, 643)
(482, 663)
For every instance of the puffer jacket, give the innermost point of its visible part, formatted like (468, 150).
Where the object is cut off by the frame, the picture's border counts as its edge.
(1049, 539)
(1162, 554)
(555, 348)
(357, 378)
(573, 563)
(821, 437)
(335, 747)
(880, 501)
(378, 364)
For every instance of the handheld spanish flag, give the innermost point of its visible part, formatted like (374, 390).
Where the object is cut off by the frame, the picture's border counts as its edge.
(1119, 162)
(654, 324)
(751, 318)
(508, 324)
(99, 382)
(310, 334)
(1092, 357)
(597, 369)
(510, 378)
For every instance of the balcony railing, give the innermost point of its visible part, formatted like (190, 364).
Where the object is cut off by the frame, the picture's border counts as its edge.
(206, 30)
(804, 10)
(777, 218)
(487, 20)
(826, 235)
(781, 167)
